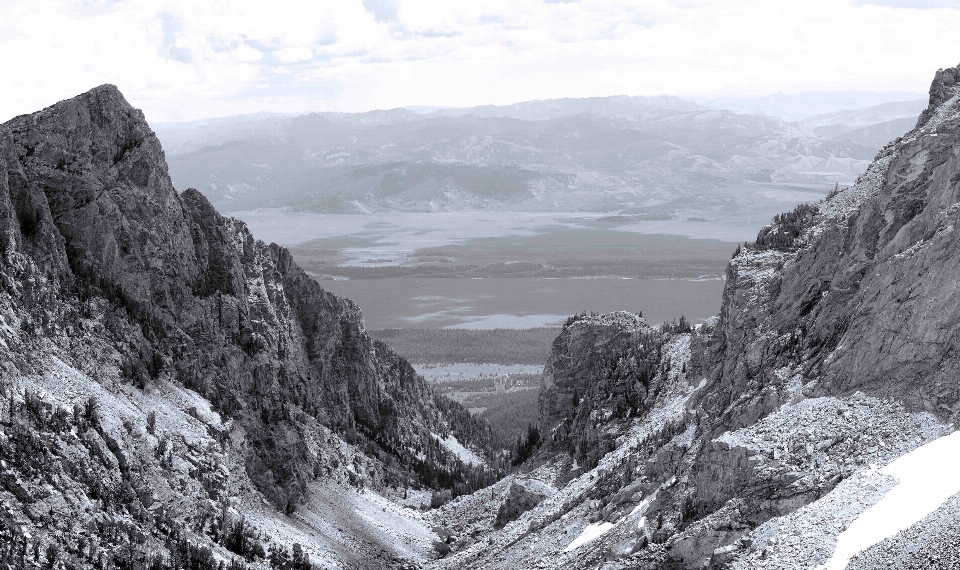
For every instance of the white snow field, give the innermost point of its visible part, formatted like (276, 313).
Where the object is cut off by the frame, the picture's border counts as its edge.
(927, 478)
(592, 532)
(453, 445)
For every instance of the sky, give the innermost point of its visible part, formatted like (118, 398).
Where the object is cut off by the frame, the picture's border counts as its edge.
(186, 60)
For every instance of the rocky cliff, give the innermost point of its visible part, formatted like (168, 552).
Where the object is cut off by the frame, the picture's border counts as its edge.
(756, 439)
(133, 314)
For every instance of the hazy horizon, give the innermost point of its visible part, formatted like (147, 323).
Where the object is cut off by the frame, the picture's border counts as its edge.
(183, 62)
(763, 104)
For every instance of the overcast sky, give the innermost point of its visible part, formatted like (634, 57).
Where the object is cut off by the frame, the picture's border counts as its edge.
(192, 59)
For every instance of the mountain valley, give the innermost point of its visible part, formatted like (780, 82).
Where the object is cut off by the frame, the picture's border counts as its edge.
(179, 394)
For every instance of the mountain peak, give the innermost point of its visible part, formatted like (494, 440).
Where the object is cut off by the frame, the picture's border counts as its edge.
(942, 89)
(97, 178)
(106, 100)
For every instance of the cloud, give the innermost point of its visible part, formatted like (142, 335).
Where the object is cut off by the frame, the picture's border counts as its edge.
(271, 44)
(87, 8)
(187, 60)
(169, 48)
(294, 54)
(328, 38)
(488, 18)
(382, 10)
(912, 4)
(247, 54)
(281, 85)
(431, 33)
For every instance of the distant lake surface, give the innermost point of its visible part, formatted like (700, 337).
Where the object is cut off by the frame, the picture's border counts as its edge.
(466, 370)
(522, 302)
(490, 270)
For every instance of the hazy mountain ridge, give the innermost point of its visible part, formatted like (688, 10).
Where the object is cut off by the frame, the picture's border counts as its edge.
(619, 106)
(793, 107)
(650, 155)
(864, 117)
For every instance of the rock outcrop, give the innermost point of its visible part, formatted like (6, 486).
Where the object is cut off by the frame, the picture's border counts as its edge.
(603, 369)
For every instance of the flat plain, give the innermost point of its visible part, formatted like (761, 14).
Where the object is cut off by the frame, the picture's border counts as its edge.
(509, 277)
(522, 302)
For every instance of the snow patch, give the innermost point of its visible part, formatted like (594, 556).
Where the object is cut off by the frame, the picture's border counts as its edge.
(927, 478)
(452, 445)
(589, 534)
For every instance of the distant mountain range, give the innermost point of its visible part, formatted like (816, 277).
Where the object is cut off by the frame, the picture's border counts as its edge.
(651, 156)
(793, 107)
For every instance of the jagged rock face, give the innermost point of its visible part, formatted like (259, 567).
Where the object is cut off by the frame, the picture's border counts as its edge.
(601, 369)
(941, 89)
(835, 350)
(576, 355)
(867, 301)
(862, 300)
(92, 168)
(86, 199)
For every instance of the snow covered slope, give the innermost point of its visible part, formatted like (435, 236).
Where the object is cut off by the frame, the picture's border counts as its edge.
(926, 479)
